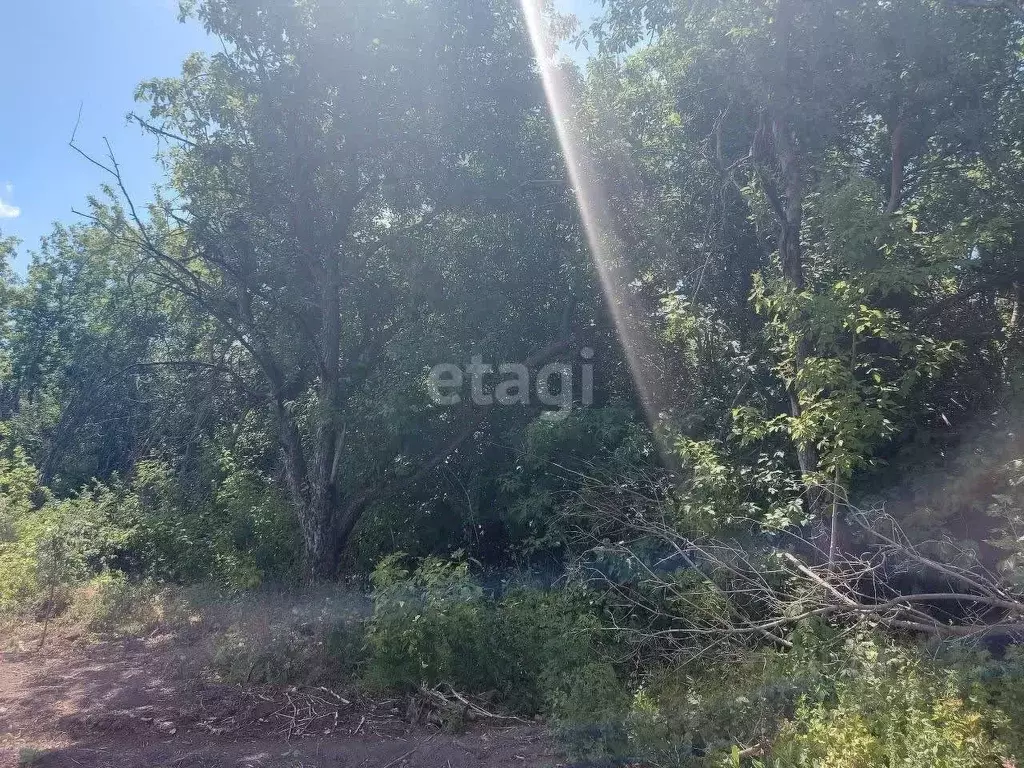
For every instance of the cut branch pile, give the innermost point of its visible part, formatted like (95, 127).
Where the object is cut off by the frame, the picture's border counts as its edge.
(443, 704)
(701, 595)
(296, 713)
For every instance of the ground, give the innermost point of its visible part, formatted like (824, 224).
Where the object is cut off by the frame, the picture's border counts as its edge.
(146, 701)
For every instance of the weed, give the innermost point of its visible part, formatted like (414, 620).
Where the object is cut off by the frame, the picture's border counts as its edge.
(29, 756)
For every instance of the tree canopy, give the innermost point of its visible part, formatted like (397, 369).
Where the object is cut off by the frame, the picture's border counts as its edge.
(811, 216)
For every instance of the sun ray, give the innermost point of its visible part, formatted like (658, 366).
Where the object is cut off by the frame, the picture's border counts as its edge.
(595, 215)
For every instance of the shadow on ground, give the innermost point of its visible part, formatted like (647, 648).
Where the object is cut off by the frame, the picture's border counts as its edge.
(144, 702)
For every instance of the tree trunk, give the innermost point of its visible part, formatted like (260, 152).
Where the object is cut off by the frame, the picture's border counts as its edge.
(326, 520)
(898, 162)
(313, 499)
(323, 550)
(791, 256)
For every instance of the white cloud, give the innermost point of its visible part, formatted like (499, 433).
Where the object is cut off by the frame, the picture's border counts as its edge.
(8, 211)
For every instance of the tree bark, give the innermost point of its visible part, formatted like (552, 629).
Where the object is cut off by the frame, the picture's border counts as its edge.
(898, 160)
(791, 256)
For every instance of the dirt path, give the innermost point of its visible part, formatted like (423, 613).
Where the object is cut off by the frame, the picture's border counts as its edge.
(138, 702)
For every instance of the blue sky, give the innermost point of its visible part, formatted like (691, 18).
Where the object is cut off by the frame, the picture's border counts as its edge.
(56, 55)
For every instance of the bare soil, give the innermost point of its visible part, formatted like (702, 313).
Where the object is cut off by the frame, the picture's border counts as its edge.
(146, 702)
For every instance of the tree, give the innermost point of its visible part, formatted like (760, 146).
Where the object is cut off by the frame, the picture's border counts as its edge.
(316, 165)
(811, 129)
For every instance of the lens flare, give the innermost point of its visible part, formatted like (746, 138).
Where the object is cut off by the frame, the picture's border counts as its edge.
(593, 206)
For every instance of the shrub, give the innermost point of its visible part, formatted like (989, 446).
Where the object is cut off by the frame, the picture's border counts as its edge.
(289, 637)
(589, 705)
(138, 528)
(679, 713)
(892, 707)
(111, 603)
(826, 702)
(542, 639)
(260, 541)
(999, 683)
(51, 550)
(429, 626)
(240, 536)
(433, 624)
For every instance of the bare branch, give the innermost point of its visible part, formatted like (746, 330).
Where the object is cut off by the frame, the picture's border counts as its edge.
(694, 595)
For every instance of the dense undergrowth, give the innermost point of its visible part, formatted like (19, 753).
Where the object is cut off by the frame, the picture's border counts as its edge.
(117, 559)
(838, 699)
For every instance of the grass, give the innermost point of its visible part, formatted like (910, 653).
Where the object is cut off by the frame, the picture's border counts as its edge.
(30, 756)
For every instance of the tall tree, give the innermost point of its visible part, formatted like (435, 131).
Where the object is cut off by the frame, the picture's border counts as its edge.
(315, 164)
(818, 122)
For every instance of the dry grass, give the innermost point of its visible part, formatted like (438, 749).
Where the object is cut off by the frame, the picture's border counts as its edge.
(297, 636)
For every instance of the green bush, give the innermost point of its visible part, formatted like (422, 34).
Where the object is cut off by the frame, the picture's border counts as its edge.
(429, 626)
(433, 624)
(892, 707)
(687, 714)
(886, 705)
(112, 603)
(999, 683)
(260, 541)
(164, 543)
(52, 549)
(241, 535)
(589, 705)
(291, 638)
(137, 527)
(857, 703)
(542, 640)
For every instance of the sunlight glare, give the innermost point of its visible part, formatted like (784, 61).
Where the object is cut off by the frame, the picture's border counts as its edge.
(594, 214)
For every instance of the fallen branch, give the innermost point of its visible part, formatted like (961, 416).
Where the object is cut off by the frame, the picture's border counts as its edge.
(446, 698)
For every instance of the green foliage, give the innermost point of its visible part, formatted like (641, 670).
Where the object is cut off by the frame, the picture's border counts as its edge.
(891, 707)
(551, 653)
(19, 488)
(261, 540)
(234, 537)
(135, 527)
(589, 707)
(826, 702)
(721, 488)
(853, 361)
(110, 603)
(49, 549)
(691, 714)
(603, 442)
(538, 651)
(428, 626)
(997, 684)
